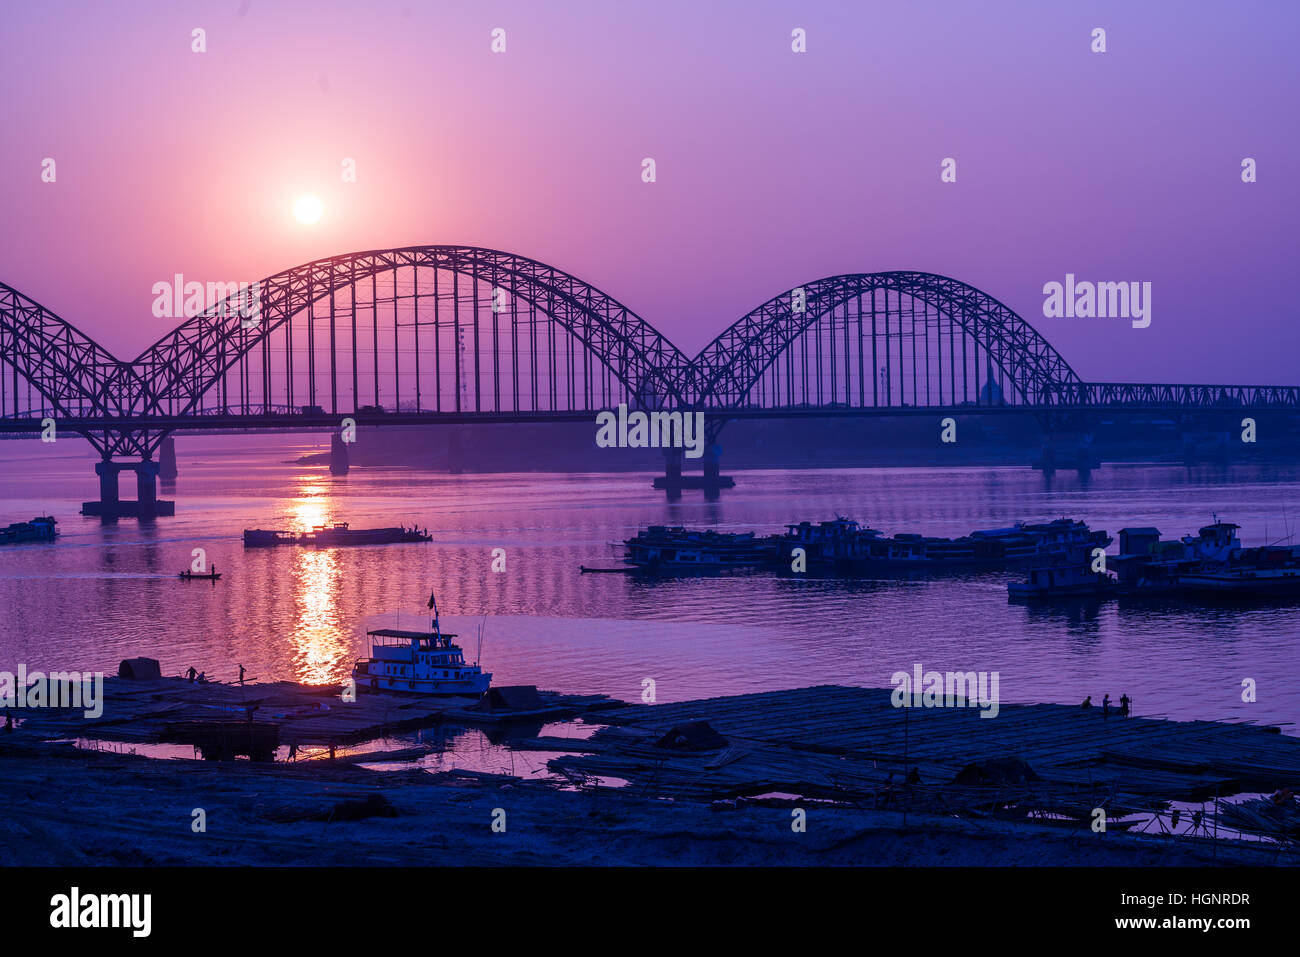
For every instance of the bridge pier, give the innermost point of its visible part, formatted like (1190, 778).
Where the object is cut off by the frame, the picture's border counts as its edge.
(147, 506)
(713, 479)
(338, 455)
(146, 495)
(673, 466)
(671, 483)
(711, 482)
(1067, 450)
(167, 459)
(107, 470)
(1206, 447)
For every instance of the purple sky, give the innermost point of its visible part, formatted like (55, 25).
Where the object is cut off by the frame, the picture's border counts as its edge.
(773, 168)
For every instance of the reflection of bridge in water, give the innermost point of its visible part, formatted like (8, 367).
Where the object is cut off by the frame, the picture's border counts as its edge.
(458, 334)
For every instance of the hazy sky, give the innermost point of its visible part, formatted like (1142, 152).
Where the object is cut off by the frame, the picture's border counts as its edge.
(773, 168)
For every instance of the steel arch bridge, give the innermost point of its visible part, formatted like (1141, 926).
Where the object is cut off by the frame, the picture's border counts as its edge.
(888, 340)
(439, 333)
(424, 333)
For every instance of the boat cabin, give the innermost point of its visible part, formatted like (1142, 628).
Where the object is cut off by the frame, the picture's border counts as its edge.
(431, 648)
(1138, 540)
(418, 661)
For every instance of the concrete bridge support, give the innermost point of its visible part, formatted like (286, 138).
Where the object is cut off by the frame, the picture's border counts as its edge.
(167, 470)
(1207, 447)
(712, 481)
(673, 466)
(146, 495)
(671, 483)
(107, 470)
(1067, 450)
(147, 506)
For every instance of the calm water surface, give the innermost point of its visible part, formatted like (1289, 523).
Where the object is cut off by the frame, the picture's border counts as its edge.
(104, 593)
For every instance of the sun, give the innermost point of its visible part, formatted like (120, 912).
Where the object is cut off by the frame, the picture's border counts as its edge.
(308, 209)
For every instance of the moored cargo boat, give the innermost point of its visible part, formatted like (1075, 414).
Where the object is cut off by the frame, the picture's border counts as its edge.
(43, 528)
(674, 548)
(1247, 582)
(331, 536)
(1074, 575)
(1211, 563)
(341, 534)
(842, 546)
(266, 537)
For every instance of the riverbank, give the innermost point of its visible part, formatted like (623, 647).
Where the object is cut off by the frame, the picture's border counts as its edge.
(62, 806)
(822, 775)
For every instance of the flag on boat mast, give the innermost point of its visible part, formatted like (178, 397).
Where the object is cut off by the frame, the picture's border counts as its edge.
(433, 603)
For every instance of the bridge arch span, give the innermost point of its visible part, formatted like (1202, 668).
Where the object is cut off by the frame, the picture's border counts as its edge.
(886, 339)
(437, 328)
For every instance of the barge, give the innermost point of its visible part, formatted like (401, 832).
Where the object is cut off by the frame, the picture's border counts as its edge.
(842, 546)
(336, 535)
(674, 548)
(43, 528)
(1208, 564)
(1074, 575)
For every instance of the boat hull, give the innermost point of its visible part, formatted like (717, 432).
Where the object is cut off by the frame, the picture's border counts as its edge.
(1262, 585)
(361, 536)
(333, 537)
(425, 687)
(1021, 591)
(41, 529)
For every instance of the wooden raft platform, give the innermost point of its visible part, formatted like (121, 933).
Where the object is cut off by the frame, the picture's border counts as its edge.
(852, 743)
(136, 710)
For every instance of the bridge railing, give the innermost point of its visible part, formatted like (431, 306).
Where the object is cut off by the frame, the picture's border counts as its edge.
(1118, 395)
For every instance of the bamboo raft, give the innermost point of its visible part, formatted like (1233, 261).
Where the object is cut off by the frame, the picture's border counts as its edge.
(829, 743)
(852, 744)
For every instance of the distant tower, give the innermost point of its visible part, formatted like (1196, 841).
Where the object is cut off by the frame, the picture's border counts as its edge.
(990, 391)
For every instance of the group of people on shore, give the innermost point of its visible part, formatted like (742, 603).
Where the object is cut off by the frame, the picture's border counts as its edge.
(201, 677)
(1125, 705)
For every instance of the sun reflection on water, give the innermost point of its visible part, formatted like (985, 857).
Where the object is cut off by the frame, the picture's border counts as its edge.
(320, 644)
(312, 509)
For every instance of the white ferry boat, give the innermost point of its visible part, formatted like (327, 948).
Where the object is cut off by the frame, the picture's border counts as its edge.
(419, 662)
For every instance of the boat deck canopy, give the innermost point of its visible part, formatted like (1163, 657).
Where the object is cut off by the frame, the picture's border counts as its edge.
(407, 635)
